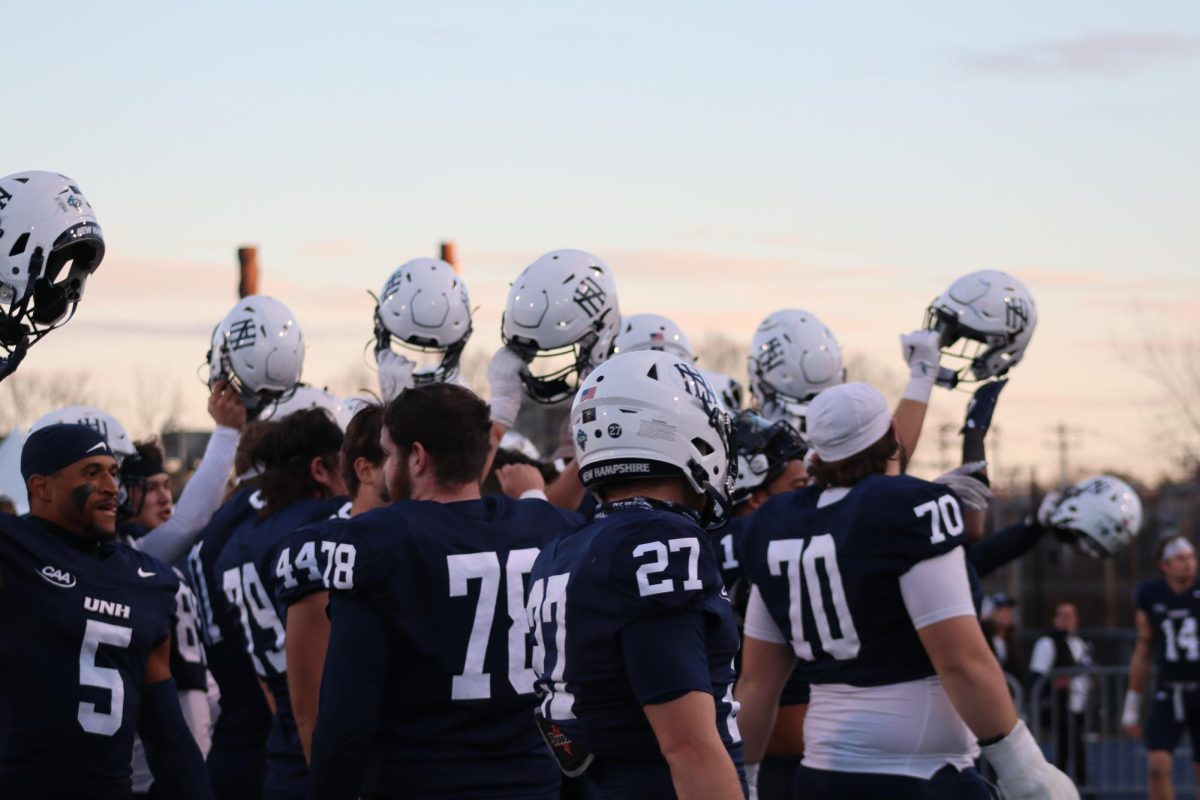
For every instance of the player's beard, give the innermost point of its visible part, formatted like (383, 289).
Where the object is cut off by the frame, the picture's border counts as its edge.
(85, 503)
(400, 486)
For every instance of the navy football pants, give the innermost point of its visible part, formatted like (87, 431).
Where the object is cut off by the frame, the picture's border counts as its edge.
(946, 784)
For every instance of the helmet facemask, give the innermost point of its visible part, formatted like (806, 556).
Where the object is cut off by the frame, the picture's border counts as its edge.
(435, 363)
(256, 402)
(55, 287)
(558, 371)
(972, 354)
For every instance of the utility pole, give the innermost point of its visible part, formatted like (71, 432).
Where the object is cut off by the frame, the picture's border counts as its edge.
(450, 254)
(1064, 443)
(945, 431)
(247, 270)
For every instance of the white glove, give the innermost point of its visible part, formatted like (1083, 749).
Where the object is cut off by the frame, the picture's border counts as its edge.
(1132, 710)
(1022, 772)
(395, 373)
(752, 780)
(973, 492)
(1047, 508)
(920, 352)
(504, 381)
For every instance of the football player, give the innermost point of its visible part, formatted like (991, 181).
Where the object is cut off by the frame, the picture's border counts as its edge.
(427, 689)
(424, 309)
(1167, 612)
(50, 243)
(862, 578)
(301, 483)
(85, 656)
(237, 759)
(302, 566)
(770, 461)
(634, 634)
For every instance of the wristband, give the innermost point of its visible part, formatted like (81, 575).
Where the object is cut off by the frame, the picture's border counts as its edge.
(1017, 751)
(752, 780)
(919, 388)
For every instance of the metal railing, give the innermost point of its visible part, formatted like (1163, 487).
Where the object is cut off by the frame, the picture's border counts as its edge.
(1090, 746)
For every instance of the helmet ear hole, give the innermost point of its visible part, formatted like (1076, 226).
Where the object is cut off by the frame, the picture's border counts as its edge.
(702, 447)
(19, 245)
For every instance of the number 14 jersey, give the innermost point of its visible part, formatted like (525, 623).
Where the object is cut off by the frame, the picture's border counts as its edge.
(1173, 620)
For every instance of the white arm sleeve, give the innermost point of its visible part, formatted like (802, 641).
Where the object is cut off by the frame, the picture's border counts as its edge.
(759, 624)
(199, 500)
(1042, 660)
(533, 494)
(937, 589)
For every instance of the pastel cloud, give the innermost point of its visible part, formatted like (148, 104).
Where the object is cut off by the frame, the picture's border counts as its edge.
(1098, 55)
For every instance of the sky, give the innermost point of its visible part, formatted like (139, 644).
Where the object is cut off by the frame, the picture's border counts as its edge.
(850, 159)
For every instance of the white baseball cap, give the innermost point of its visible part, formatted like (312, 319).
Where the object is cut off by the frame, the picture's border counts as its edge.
(845, 420)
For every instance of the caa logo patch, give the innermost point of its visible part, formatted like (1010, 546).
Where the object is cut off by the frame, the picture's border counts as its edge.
(57, 576)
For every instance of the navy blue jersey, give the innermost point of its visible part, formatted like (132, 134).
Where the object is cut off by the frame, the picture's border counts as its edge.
(637, 567)
(302, 564)
(727, 547)
(78, 628)
(187, 649)
(1172, 618)
(830, 576)
(587, 506)
(245, 718)
(246, 568)
(428, 657)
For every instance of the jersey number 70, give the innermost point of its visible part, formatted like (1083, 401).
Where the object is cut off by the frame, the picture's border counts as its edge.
(798, 560)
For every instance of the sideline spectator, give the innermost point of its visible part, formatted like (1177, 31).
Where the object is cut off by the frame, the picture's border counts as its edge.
(1062, 649)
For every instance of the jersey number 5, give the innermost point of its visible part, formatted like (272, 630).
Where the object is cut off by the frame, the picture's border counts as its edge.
(96, 634)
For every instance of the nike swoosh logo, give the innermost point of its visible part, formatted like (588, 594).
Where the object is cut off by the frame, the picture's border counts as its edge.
(100, 445)
(144, 574)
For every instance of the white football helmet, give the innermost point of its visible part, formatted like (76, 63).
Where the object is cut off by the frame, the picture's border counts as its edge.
(424, 307)
(311, 397)
(652, 332)
(514, 440)
(764, 449)
(792, 357)
(729, 391)
(259, 348)
(106, 424)
(1104, 512)
(562, 317)
(648, 414)
(984, 322)
(45, 224)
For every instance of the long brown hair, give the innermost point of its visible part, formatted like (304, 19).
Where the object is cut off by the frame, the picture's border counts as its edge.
(849, 471)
